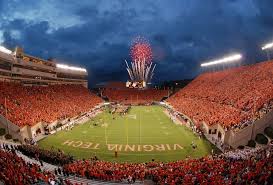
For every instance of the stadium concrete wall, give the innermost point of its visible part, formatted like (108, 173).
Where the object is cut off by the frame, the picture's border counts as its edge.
(242, 136)
(11, 128)
(25, 132)
(261, 124)
(22, 133)
(213, 130)
(39, 126)
(239, 137)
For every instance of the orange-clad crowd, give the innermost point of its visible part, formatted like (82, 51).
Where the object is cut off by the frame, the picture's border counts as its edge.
(219, 169)
(135, 96)
(14, 170)
(247, 166)
(29, 105)
(233, 98)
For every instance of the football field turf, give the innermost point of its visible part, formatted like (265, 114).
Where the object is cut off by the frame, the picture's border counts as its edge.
(145, 133)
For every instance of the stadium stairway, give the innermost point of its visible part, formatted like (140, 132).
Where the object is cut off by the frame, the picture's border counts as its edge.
(217, 144)
(72, 179)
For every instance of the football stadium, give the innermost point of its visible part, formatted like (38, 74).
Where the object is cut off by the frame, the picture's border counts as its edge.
(57, 127)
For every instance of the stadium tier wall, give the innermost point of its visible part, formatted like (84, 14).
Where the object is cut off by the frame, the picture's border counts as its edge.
(11, 128)
(242, 136)
(22, 67)
(20, 133)
(28, 132)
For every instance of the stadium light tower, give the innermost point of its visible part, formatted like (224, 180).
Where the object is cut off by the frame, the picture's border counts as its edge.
(267, 47)
(229, 59)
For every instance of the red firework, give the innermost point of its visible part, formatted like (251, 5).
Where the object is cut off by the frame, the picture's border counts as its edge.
(141, 50)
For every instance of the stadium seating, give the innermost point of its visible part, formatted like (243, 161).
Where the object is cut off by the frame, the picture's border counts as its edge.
(134, 96)
(248, 166)
(234, 97)
(52, 157)
(28, 105)
(14, 170)
(256, 168)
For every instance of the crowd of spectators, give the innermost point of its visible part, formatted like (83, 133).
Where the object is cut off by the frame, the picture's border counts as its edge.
(29, 105)
(246, 153)
(233, 98)
(218, 169)
(134, 96)
(49, 156)
(247, 166)
(14, 170)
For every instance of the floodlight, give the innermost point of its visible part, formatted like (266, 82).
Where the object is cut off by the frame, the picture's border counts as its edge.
(5, 50)
(231, 58)
(267, 46)
(63, 66)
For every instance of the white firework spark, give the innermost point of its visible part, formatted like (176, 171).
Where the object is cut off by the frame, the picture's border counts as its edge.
(140, 70)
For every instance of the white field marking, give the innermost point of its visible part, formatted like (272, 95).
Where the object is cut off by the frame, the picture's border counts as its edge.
(124, 148)
(132, 116)
(84, 132)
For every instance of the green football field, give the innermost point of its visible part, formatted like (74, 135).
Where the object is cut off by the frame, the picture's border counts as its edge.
(145, 133)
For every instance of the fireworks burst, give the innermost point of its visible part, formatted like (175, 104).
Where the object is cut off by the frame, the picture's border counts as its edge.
(141, 50)
(142, 67)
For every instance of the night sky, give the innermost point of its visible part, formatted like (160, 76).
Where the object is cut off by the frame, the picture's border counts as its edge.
(96, 34)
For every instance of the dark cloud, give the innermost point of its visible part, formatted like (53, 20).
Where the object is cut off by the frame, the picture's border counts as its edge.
(97, 34)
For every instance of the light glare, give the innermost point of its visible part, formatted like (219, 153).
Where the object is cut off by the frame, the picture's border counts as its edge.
(5, 50)
(267, 46)
(63, 66)
(231, 58)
